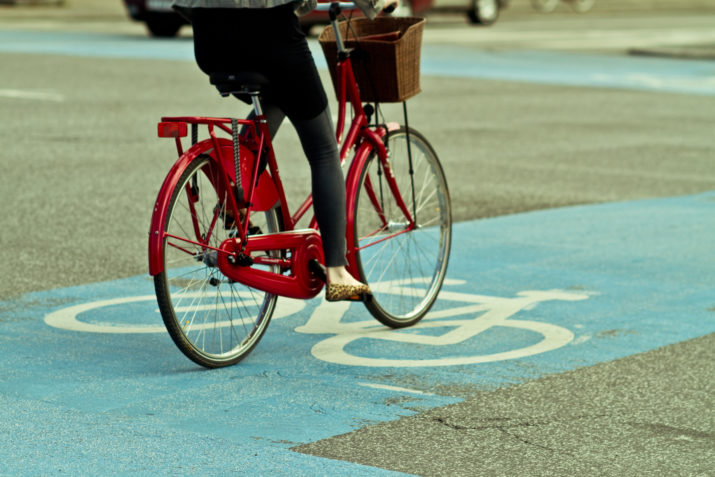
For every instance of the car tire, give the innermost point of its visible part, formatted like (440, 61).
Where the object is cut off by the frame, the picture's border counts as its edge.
(545, 6)
(483, 12)
(164, 26)
(582, 6)
(403, 10)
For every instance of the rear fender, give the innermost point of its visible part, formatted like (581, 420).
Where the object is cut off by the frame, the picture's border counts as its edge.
(264, 197)
(158, 217)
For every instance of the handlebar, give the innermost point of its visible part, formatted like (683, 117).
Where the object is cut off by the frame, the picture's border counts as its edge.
(347, 6)
(334, 9)
(325, 7)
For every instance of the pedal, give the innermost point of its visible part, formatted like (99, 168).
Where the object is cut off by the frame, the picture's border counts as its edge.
(318, 269)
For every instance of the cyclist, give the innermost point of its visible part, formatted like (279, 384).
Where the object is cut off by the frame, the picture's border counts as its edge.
(264, 36)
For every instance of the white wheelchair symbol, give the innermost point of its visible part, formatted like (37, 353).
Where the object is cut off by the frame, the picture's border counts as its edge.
(478, 314)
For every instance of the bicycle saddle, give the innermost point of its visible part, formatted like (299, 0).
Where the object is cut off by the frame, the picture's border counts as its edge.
(238, 83)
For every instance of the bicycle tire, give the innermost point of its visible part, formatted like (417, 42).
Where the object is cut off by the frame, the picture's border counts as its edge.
(405, 270)
(215, 322)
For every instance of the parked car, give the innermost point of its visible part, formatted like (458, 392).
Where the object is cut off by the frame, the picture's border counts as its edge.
(160, 19)
(406, 8)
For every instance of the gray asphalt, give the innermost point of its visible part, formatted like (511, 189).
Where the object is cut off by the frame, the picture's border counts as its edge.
(649, 414)
(87, 169)
(80, 178)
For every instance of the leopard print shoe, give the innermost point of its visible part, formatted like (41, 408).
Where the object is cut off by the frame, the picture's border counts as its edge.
(337, 292)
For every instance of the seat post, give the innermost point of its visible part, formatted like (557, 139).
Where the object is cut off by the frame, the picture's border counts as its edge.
(256, 103)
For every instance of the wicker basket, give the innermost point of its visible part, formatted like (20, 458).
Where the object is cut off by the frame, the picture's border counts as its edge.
(386, 57)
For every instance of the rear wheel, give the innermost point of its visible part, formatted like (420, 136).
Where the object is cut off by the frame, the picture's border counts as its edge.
(404, 268)
(214, 321)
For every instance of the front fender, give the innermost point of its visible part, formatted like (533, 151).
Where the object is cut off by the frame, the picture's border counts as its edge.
(371, 143)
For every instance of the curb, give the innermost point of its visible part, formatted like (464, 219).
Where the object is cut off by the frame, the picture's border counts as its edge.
(691, 52)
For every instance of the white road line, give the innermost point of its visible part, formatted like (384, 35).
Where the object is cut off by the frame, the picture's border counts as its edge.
(32, 95)
(570, 39)
(395, 388)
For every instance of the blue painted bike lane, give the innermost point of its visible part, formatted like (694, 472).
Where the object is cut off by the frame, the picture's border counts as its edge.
(544, 67)
(91, 382)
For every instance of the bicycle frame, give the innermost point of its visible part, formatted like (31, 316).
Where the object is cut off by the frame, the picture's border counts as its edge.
(265, 190)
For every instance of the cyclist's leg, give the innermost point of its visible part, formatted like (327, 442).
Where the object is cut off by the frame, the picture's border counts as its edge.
(328, 189)
(280, 51)
(300, 92)
(321, 149)
(328, 185)
(274, 116)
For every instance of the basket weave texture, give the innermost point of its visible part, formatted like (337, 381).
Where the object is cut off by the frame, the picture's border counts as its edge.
(387, 68)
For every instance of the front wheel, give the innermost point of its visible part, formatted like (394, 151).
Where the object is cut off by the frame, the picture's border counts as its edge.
(404, 265)
(214, 321)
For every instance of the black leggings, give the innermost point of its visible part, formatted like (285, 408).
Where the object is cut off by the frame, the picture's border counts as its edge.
(269, 41)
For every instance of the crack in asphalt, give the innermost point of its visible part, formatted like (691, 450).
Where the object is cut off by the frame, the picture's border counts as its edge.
(507, 422)
(506, 426)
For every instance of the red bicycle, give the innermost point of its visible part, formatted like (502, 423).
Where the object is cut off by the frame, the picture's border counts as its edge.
(223, 242)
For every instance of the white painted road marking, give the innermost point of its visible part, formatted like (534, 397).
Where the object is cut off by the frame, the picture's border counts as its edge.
(32, 95)
(465, 324)
(66, 318)
(395, 388)
(480, 314)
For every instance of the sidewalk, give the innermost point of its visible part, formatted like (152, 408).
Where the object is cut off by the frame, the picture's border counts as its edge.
(601, 6)
(95, 9)
(84, 11)
(521, 10)
(689, 52)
